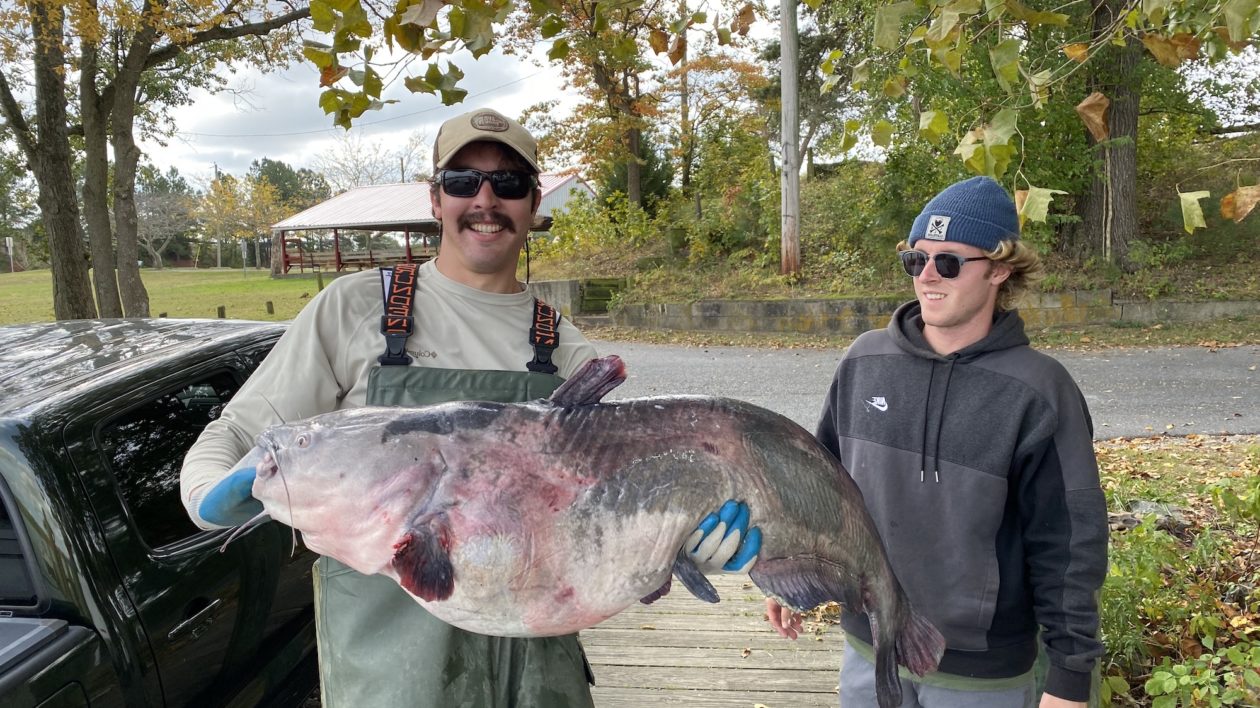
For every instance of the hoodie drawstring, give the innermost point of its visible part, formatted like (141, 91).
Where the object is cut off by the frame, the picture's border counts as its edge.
(940, 418)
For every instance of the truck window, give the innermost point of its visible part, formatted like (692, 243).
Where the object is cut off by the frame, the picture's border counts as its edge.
(145, 449)
(16, 587)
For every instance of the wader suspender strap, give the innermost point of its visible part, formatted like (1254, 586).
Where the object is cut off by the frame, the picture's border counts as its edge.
(544, 334)
(398, 287)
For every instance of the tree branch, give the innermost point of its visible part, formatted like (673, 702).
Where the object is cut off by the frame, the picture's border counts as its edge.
(168, 52)
(14, 120)
(1244, 128)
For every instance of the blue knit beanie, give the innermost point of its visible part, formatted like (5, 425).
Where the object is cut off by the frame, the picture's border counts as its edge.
(976, 211)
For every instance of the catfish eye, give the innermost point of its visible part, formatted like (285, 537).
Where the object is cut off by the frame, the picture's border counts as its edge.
(303, 441)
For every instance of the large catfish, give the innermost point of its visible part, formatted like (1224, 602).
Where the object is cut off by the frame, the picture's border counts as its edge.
(547, 517)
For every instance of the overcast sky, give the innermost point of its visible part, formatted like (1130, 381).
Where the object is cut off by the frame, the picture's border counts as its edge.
(278, 115)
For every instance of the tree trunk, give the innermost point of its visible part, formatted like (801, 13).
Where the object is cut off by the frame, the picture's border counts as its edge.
(634, 168)
(100, 230)
(1108, 211)
(126, 158)
(50, 159)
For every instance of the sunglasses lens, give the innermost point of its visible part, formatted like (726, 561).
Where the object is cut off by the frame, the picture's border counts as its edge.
(914, 262)
(461, 183)
(511, 184)
(948, 265)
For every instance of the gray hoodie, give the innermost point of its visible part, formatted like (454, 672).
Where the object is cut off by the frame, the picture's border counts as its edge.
(978, 468)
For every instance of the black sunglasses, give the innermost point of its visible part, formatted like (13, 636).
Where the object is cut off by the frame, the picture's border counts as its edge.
(507, 184)
(948, 265)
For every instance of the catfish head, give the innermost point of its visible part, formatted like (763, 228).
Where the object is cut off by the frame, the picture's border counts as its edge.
(348, 483)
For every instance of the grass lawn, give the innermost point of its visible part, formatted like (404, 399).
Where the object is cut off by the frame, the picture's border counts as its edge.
(179, 292)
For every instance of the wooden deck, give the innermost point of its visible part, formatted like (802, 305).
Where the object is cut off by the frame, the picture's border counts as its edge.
(680, 651)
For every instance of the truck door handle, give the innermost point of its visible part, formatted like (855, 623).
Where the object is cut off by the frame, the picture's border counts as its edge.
(197, 622)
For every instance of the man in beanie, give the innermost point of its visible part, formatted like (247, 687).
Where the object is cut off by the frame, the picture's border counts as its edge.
(974, 455)
(455, 328)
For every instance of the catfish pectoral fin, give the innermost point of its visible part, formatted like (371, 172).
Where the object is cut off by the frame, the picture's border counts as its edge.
(693, 579)
(804, 582)
(422, 559)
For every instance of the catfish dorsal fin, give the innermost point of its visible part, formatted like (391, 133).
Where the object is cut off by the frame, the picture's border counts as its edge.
(591, 382)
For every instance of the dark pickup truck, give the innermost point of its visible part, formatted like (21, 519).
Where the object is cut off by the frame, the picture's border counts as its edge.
(109, 595)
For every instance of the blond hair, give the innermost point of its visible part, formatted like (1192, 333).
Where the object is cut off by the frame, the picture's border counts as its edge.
(1026, 270)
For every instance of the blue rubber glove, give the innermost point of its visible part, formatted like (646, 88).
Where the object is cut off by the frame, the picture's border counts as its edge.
(723, 543)
(231, 502)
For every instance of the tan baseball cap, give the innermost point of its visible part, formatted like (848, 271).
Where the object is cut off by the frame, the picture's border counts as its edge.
(483, 124)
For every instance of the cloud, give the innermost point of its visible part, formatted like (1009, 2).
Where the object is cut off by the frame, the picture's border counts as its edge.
(277, 115)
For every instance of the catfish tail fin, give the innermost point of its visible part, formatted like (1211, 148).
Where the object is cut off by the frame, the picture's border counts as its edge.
(919, 645)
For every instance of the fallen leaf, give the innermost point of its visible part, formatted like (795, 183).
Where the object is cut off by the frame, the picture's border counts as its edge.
(745, 653)
(647, 626)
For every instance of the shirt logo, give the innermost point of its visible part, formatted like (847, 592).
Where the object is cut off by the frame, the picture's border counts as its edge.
(937, 227)
(876, 402)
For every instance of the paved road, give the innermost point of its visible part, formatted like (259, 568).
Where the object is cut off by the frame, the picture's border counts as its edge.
(1131, 392)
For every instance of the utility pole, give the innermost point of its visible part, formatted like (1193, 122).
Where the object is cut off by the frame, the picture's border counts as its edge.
(790, 182)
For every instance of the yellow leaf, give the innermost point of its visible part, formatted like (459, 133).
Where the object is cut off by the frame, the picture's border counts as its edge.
(895, 87)
(881, 133)
(1238, 204)
(1077, 52)
(743, 20)
(1191, 212)
(1093, 112)
(1036, 203)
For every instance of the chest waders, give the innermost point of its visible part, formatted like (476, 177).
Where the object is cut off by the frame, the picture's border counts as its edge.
(378, 648)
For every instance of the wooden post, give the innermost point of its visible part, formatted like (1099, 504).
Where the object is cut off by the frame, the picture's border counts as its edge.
(222, 311)
(790, 181)
(319, 279)
(271, 308)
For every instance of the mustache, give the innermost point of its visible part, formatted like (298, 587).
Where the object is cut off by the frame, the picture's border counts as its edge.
(497, 218)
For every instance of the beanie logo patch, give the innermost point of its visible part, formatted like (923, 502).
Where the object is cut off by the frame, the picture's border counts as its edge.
(937, 227)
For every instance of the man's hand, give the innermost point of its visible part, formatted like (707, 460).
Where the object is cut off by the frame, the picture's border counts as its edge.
(231, 502)
(784, 621)
(723, 543)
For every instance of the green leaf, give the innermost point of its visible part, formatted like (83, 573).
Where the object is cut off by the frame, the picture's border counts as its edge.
(355, 21)
(1155, 11)
(624, 49)
(699, 18)
(1037, 204)
(323, 19)
(1118, 685)
(994, 9)
(331, 100)
(948, 19)
(1002, 128)
(372, 84)
(1005, 61)
(551, 27)
(559, 50)
(861, 74)
(1034, 18)
(1252, 678)
(933, 125)
(1191, 212)
(319, 57)
(895, 87)
(1039, 87)
(724, 36)
(417, 84)
(1238, 14)
(888, 23)
(881, 133)
(849, 139)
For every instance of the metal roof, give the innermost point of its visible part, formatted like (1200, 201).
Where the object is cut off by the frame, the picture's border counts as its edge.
(387, 207)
